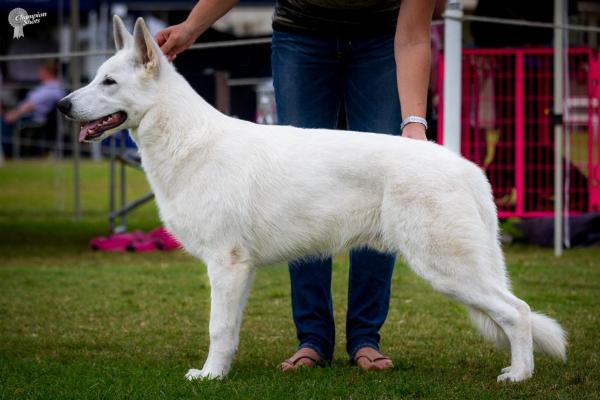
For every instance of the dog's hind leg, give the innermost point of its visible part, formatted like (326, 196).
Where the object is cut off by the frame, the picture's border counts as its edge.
(494, 303)
(514, 318)
(230, 284)
(459, 256)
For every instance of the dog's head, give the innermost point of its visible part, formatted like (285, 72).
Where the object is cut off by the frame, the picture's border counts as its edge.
(124, 87)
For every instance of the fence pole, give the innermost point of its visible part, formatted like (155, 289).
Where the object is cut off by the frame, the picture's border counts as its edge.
(222, 92)
(75, 69)
(452, 74)
(558, 127)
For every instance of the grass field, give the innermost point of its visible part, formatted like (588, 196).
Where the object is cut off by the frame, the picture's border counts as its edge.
(77, 324)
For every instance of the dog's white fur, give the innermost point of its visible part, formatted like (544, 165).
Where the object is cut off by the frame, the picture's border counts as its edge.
(240, 195)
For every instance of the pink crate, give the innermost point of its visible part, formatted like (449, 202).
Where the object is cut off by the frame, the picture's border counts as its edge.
(507, 126)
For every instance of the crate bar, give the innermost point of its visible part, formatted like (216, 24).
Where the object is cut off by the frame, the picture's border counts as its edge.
(520, 132)
(593, 133)
(440, 108)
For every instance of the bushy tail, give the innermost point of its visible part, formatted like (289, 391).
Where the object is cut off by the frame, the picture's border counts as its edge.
(548, 336)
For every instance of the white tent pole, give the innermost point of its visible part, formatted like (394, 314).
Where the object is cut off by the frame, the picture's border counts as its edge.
(558, 126)
(452, 74)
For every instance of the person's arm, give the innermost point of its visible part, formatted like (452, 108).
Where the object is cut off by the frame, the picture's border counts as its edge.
(412, 52)
(24, 108)
(175, 39)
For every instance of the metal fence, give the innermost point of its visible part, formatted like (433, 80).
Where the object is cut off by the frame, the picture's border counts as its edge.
(507, 127)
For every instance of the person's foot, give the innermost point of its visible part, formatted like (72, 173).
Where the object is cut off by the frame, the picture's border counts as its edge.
(369, 359)
(304, 357)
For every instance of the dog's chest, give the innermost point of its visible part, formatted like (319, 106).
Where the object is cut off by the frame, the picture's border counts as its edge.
(192, 218)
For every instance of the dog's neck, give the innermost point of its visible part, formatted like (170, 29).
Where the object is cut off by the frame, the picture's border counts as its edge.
(181, 126)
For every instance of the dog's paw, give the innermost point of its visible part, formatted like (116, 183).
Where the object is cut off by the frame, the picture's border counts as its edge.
(509, 376)
(194, 374)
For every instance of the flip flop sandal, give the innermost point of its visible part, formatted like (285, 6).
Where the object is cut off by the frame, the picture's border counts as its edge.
(293, 362)
(372, 361)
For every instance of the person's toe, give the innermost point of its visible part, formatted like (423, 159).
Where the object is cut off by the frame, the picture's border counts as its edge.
(383, 364)
(364, 363)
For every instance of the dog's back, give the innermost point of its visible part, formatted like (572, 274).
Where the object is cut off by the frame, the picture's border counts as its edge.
(286, 192)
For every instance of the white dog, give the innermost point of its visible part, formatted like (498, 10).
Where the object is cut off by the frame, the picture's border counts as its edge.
(240, 195)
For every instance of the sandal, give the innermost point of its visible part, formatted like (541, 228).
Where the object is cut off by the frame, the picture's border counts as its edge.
(378, 356)
(304, 357)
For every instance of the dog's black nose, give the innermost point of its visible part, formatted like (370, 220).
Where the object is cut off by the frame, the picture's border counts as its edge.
(64, 106)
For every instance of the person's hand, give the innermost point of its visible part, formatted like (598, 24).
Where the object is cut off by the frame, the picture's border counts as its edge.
(414, 131)
(175, 39)
(11, 116)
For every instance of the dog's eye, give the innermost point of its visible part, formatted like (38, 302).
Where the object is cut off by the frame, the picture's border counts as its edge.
(109, 81)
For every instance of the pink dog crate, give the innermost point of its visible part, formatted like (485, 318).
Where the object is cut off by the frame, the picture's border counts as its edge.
(507, 126)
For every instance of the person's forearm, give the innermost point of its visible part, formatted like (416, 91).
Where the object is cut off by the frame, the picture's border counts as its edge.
(207, 12)
(412, 72)
(412, 48)
(24, 109)
(17, 112)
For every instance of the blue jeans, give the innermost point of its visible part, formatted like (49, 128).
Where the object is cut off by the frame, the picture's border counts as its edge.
(314, 77)
(6, 136)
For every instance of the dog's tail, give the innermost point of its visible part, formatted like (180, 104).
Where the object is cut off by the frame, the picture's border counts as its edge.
(548, 336)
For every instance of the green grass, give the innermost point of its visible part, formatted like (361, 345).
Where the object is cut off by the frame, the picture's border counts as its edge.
(78, 324)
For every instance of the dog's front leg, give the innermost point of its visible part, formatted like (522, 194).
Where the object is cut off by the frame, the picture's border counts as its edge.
(229, 290)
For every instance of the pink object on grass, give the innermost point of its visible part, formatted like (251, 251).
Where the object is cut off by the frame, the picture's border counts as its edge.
(137, 241)
(116, 243)
(164, 239)
(142, 246)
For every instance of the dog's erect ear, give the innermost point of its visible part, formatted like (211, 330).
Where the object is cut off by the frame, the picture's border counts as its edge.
(145, 48)
(122, 37)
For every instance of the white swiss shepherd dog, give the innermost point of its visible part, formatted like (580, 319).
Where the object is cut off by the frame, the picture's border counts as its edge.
(239, 195)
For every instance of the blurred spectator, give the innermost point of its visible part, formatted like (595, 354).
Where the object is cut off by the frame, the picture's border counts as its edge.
(40, 100)
(38, 104)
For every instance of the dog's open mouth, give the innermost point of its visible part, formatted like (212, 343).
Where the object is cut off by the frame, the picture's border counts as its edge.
(91, 130)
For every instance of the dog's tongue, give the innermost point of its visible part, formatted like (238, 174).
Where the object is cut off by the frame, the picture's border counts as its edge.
(96, 127)
(87, 129)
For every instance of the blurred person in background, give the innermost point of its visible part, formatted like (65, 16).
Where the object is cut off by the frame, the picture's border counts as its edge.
(363, 58)
(38, 104)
